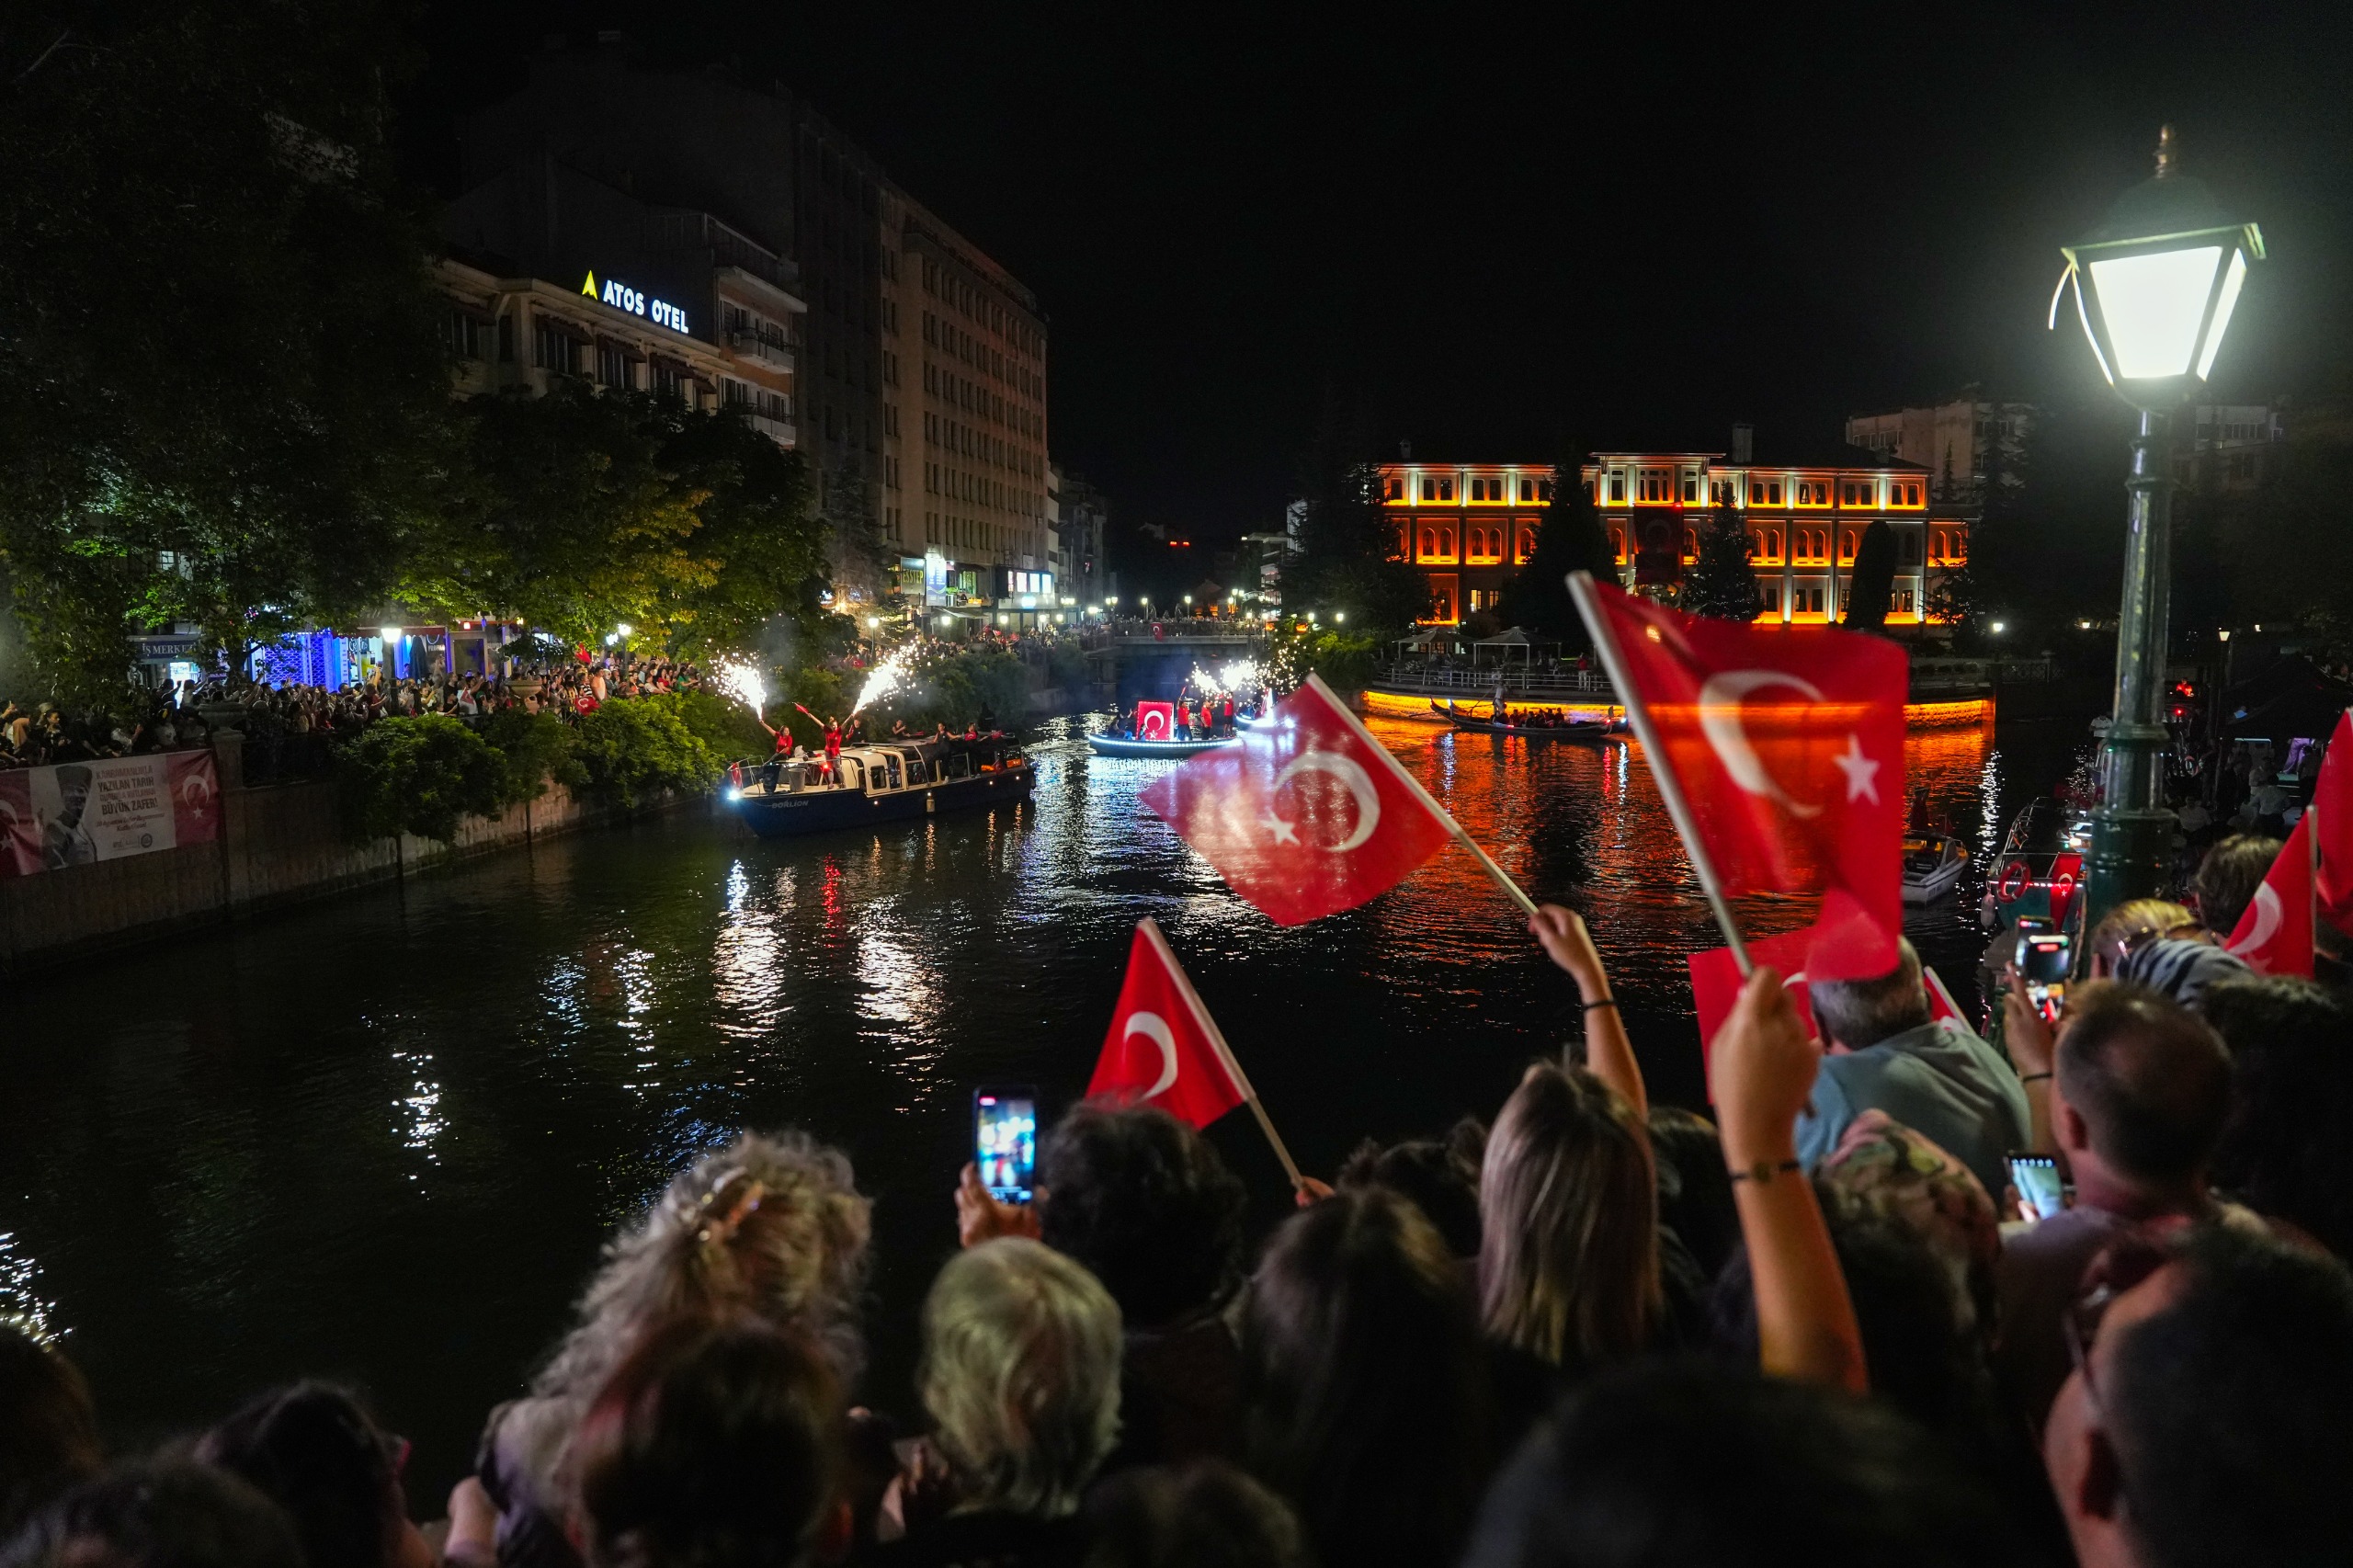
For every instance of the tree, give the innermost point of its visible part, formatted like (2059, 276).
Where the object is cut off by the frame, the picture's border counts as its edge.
(1721, 584)
(222, 388)
(1348, 558)
(859, 560)
(1570, 538)
(580, 511)
(1872, 583)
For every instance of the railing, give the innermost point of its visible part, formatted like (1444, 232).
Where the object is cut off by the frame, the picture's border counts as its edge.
(1439, 681)
(1179, 630)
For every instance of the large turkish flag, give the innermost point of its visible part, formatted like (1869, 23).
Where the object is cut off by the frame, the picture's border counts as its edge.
(1164, 1047)
(2275, 935)
(2333, 803)
(1789, 746)
(1309, 815)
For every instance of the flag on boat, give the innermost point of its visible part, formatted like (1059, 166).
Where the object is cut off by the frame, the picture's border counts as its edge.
(1163, 1046)
(1308, 815)
(2275, 935)
(1788, 745)
(2333, 836)
(1155, 720)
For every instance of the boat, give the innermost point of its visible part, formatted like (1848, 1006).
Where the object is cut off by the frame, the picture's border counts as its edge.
(1932, 866)
(1128, 746)
(1581, 730)
(889, 781)
(1254, 720)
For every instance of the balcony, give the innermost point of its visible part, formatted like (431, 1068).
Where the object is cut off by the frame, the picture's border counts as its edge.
(761, 350)
(783, 432)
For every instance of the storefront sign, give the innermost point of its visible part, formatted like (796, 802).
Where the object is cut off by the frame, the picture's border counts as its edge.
(76, 814)
(935, 579)
(621, 296)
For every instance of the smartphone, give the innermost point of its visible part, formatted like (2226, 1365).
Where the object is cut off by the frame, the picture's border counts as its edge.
(1005, 1140)
(2044, 958)
(2037, 1178)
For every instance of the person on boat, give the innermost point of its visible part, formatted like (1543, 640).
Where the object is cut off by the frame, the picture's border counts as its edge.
(1225, 715)
(1184, 717)
(832, 727)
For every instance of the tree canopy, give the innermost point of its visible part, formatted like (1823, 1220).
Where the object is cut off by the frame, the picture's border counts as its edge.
(1722, 584)
(1570, 538)
(1872, 584)
(1347, 558)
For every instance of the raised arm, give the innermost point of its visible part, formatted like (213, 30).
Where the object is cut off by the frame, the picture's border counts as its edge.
(1761, 1067)
(2027, 1037)
(1608, 1054)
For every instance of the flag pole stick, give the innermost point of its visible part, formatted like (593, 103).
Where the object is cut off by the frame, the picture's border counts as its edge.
(1150, 928)
(1503, 879)
(1670, 788)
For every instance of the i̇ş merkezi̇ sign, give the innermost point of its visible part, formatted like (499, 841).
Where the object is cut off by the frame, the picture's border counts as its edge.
(621, 296)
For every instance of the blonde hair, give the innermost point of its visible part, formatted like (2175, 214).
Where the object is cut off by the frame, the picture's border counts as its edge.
(2136, 921)
(1568, 1210)
(1021, 1371)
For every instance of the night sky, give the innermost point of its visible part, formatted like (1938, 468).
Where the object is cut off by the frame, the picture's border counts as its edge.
(1493, 235)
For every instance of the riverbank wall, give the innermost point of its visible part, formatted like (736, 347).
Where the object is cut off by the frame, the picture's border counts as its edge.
(277, 845)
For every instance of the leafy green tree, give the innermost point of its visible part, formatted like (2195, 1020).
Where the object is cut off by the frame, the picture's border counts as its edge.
(222, 386)
(1571, 538)
(1348, 560)
(423, 776)
(634, 746)
(1872, 581)
(1721, 584)
(758, 529)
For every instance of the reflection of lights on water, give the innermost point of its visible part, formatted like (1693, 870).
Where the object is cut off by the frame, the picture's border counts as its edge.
(22, 1306)
(420, 1119)
(1989, 821)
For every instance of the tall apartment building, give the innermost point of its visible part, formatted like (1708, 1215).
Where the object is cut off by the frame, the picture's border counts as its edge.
(920, 375)
(552, 274)
(1078, 518)
(1964, 444)
(2226, 449)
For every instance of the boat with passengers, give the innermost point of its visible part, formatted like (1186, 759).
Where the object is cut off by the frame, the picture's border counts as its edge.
(879, 783)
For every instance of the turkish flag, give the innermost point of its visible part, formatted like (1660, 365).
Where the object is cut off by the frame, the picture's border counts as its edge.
(1789, 746)
(1155, 720)
(1164, 1047)
(1309, 815)
(2333, 803)
(2275, 935)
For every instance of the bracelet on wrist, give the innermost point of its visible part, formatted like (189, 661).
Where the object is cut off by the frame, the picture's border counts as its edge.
(1762, 1172)
(1600, 1002)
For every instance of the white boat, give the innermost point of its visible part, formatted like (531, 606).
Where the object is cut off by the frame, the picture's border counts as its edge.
(1932, 866)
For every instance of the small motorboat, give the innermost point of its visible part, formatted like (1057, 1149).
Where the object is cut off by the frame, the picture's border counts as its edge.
(1579, 730)
(887, 782)
(1932, 865)
(1128, 746)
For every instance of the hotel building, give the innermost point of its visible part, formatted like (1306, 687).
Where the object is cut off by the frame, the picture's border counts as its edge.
(919, 364)
(1467, 529)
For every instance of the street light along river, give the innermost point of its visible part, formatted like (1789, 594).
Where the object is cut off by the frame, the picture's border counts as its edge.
(380, 1137)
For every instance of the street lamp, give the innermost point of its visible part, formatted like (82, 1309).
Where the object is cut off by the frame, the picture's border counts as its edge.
(2165, 271)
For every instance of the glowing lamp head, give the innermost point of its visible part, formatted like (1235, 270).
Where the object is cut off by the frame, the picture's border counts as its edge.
(2163, 275)
(623, 630)
(1998, 629)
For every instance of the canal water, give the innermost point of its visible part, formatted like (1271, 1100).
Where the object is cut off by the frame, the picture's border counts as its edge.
(379, 1138)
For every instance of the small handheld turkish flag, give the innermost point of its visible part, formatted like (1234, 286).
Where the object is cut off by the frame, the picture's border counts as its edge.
(1788, 747)
(1163, 1046)
(2333, 835)
(1309, 815)
(2275, 935)
(1716, 982)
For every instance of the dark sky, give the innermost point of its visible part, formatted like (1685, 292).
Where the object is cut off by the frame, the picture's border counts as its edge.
(1497, 235)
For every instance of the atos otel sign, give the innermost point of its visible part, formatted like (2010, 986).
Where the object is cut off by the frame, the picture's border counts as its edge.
(621, 296)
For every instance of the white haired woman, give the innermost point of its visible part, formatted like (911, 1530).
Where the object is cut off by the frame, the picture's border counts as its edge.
(1020, 1373)
(768, 1227)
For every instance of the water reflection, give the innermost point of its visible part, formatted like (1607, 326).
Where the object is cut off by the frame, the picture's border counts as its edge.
(218, 1196)
(22, 1306)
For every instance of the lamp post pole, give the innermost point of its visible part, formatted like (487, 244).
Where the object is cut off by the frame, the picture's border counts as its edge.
(2132, 831)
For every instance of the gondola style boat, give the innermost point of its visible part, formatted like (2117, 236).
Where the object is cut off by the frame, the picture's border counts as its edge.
(884, 782)
(1580, 730)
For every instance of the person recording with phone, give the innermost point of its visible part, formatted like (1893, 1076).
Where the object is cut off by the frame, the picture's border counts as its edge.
(2142, 1086)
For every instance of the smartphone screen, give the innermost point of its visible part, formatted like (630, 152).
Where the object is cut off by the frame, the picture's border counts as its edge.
(2044, 958)
(2037, 1178)
(1005, 1140)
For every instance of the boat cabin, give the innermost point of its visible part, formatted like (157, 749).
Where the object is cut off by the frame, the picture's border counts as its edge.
(886, 768)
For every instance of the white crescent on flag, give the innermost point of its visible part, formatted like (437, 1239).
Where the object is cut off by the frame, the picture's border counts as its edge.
(1154, 1027)
(1350, 773)
(1720, 697)
(2268, 916)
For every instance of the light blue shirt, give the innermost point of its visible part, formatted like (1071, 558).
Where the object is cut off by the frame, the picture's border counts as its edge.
(1939, 1080)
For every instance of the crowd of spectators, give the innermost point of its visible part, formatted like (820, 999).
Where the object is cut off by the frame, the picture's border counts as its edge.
(289, 725)
(1814, 1326)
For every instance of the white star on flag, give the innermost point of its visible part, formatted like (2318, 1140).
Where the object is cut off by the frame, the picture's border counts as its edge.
(1860, 770)
(1284, 831)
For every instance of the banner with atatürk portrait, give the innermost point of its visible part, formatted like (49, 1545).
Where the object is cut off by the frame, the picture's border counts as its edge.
(76, 814)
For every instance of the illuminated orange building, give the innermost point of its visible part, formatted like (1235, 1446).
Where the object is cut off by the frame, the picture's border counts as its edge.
(1467, 527)
(1804, 521)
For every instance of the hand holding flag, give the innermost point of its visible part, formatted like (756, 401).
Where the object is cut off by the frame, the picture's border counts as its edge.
(2274, 933)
